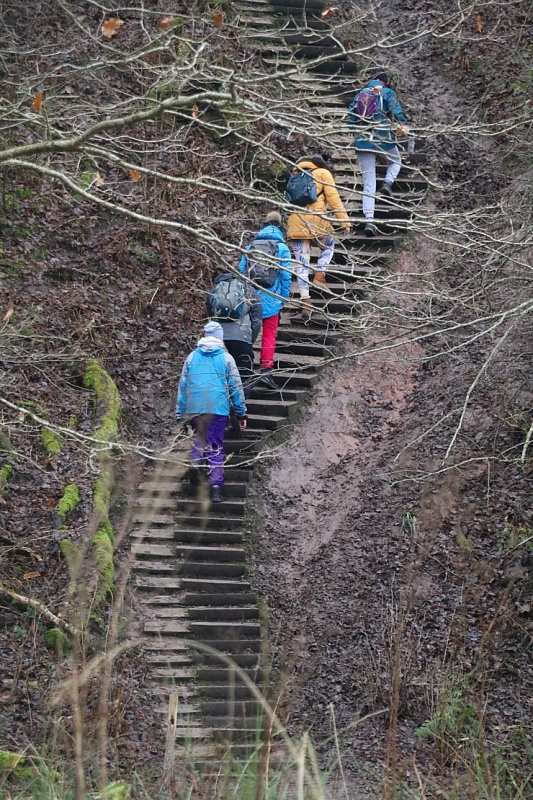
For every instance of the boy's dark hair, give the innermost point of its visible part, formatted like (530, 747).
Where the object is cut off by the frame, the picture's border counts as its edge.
(381, 76)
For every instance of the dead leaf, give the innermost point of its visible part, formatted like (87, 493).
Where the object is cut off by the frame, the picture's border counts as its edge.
(217, 19)
(21, 416)
(28, 575)
(167, 22)
(195, 111)
(134, 175)
(111, 27)
(329, 12)
(98, 179)
(9, 313)
(38, 102)
(479, 23)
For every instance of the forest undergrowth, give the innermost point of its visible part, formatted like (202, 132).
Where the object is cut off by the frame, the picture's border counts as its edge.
(428, 695)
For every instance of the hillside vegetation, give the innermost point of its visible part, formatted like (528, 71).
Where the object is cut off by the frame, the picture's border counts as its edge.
(141, 145)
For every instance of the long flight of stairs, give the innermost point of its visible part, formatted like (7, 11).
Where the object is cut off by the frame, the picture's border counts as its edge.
(190, 557)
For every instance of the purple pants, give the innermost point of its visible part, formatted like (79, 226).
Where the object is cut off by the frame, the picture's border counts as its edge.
(208, 446)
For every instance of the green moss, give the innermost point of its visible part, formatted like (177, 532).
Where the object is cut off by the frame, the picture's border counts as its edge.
(69, 501)
(56, 639)
(102, 542)
(107, 399)
(265, 172)
(10, 762)
(148, 256)
(50, 442)
(109, 407)
(102, 491)
(5, 474)
(72, 555)
(118, 790)
(31, 405)
(5, 444)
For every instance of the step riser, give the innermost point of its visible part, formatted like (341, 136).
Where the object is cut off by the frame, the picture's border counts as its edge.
(242, 599)
(210, 537)
(208, 522)
(230, 615)
(201, 506)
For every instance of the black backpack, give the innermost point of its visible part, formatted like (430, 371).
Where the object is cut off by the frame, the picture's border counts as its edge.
(262, 262)
(301, 189)
(228, 299)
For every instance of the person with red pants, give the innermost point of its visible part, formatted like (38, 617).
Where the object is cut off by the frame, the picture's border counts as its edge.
(267, 264)
(210, 386)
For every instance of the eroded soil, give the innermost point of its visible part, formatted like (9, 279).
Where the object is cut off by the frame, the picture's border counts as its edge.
(391, 567)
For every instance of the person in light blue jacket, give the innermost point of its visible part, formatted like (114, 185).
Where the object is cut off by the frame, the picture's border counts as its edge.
(377, 133)
(274, 297)
(210, 386)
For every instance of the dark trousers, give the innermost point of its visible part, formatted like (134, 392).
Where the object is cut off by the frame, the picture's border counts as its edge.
(243, 353)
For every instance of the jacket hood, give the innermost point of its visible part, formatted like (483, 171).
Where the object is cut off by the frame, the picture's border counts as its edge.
(270, 232)
(210, 345)
(370, 84)
(226, 276)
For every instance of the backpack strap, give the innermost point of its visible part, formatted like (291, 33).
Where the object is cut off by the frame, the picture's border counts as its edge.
(322, 189)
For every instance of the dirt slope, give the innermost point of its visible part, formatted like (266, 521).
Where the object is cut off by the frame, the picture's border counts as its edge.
(376, 559)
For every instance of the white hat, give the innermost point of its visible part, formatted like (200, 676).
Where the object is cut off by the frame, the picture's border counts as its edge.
(214, 329)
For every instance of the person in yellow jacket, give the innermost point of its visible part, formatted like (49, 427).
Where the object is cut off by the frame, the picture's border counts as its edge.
(313, 225)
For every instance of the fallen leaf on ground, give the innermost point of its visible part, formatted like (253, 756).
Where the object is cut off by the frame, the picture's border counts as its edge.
(8, 314)
(479, 23)
(167, 22)
(38, 102)
(111, 26)
(328, 12)
(217, 19)
(134, 175)
(195, 111)
(98, 179)
(28, 575)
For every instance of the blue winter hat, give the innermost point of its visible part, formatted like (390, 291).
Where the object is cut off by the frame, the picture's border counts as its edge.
(214, 329)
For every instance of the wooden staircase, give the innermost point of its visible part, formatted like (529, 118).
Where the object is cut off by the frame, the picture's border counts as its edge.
(191, 557)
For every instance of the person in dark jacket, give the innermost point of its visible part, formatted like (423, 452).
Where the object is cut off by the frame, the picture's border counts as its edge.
(274, 298)
(377, 134)
(209, 388)
(239, 334)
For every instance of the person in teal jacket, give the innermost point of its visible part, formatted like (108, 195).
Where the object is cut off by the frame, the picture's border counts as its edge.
(377, 134)
(210, 386)
(272, 299)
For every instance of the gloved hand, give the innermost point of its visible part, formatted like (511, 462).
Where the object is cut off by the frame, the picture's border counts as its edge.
(243, 422)
(411, 143)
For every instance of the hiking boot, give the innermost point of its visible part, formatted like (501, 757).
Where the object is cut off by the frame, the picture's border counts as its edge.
(319, 280)
(370, 230)
(266, 378)
(386, 189)
(216, 494)
(307, 307)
